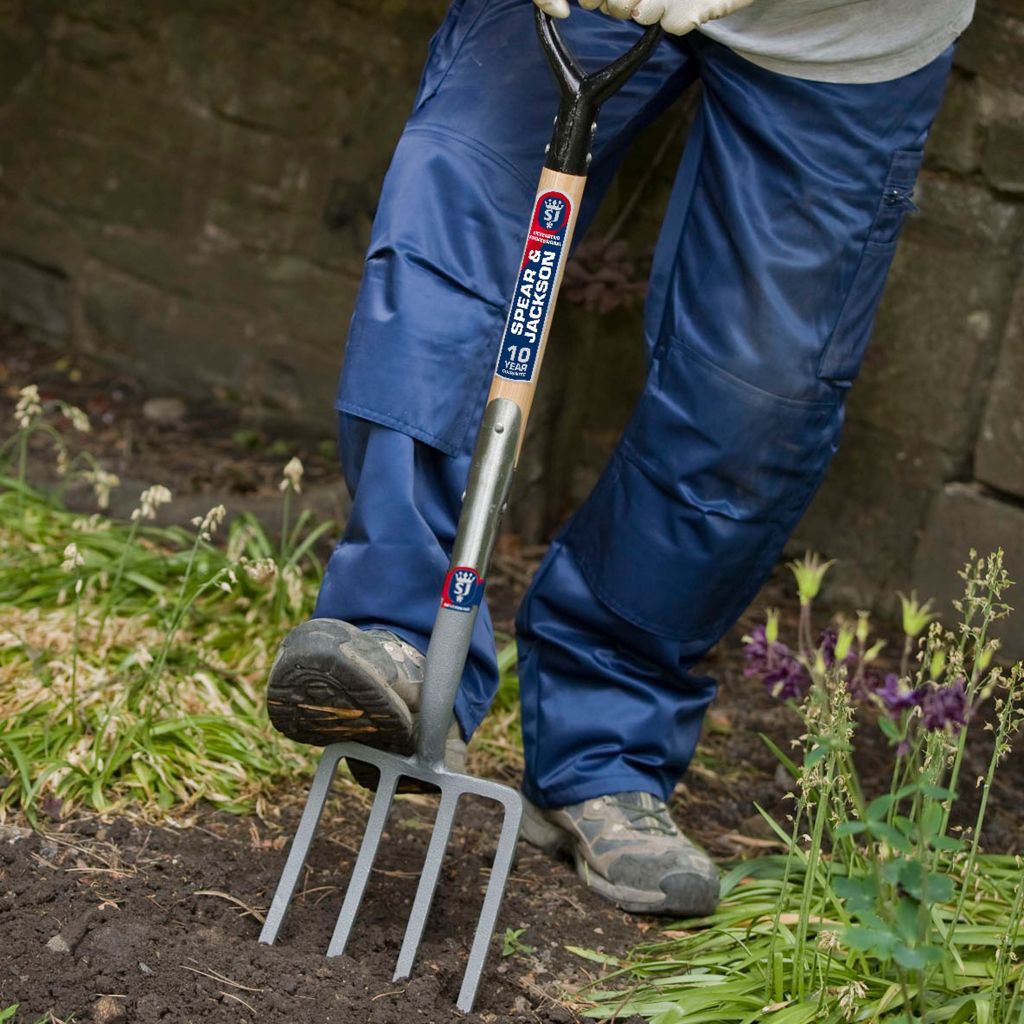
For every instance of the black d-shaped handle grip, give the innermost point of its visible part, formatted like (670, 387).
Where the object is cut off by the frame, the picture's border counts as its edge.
(583, 94)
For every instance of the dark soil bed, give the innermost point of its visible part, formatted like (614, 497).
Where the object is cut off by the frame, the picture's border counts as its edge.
(126, 922)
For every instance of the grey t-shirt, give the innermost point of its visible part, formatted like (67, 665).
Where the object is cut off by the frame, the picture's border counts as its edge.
(843, 40)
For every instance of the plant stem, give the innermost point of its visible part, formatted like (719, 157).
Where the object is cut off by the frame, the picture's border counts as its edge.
(774, 993)
(810, 876)
(74, 647)
(908, 1003)
(285, 514)
(1004, 954)
(108, 599)
(176, 615)
(22, 460)
(280, 588)
(968, 873)
(908, 646)
(804, 641)
(824, 982)
(979, 635)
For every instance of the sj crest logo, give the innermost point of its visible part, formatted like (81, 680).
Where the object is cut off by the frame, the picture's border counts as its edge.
(553, 209)
(462, 585)
(463, 589)
(552, 212)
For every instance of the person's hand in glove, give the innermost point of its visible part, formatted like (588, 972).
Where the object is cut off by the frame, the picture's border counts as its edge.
(676, 16)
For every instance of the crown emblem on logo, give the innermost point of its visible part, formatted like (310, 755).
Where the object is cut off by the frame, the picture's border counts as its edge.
(552, 212)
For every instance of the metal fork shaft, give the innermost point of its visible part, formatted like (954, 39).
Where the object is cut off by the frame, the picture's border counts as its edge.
(490, 476)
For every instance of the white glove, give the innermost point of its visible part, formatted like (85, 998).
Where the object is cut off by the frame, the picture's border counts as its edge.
(555, 8)
(676, 16)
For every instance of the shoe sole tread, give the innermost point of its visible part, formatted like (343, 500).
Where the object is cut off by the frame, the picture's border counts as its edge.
(318, 693)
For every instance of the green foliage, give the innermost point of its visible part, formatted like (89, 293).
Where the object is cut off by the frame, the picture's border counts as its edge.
(808, 572)
(875, 912)
(512, 944)
(134, 657)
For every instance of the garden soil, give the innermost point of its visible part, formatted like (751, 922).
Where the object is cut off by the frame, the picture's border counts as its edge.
(121, 921)
(124, 922)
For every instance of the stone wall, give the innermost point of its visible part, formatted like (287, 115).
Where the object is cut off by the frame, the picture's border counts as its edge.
(186, 189)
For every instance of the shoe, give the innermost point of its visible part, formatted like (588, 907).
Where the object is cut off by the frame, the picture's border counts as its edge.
(628, 849)
(332, 682)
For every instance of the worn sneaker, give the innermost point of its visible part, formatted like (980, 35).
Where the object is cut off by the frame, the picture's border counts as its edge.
(332, 682)
(628, 849)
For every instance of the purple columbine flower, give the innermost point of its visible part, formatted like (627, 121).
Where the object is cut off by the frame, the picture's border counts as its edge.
(827, 646)
(862, 684)
(779, 670)
(944, 706)
(786, 680)
(896, 697)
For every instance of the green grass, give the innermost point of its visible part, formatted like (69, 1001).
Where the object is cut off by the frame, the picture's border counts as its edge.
(876, 911)
(144, 689)
(720, 968)
(133, 659)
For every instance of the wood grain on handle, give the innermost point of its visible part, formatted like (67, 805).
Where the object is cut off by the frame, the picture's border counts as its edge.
(518, 391)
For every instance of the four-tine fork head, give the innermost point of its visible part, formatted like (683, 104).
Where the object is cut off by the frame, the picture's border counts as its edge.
(452, 785)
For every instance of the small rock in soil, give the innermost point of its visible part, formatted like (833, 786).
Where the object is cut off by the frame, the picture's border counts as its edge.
(118, 938)
(164, 411)
(151, 1007)
(11, 833)
(108, 1010)
(58, 944)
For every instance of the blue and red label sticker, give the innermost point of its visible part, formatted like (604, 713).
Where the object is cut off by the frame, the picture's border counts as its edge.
(463, 589)
(535, 286)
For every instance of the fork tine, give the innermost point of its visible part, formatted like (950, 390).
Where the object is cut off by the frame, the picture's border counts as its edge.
(428, 882)
(318, 793)
(364, 861)
(492, 900)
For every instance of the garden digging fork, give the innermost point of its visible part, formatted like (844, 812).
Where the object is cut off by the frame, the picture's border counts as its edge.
(497, 450)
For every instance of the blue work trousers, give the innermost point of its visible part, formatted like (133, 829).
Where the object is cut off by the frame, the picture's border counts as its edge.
(771, 261)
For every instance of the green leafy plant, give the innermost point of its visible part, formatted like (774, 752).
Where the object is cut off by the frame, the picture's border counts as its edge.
(133, 657)
(878, 910)
(512, 944)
